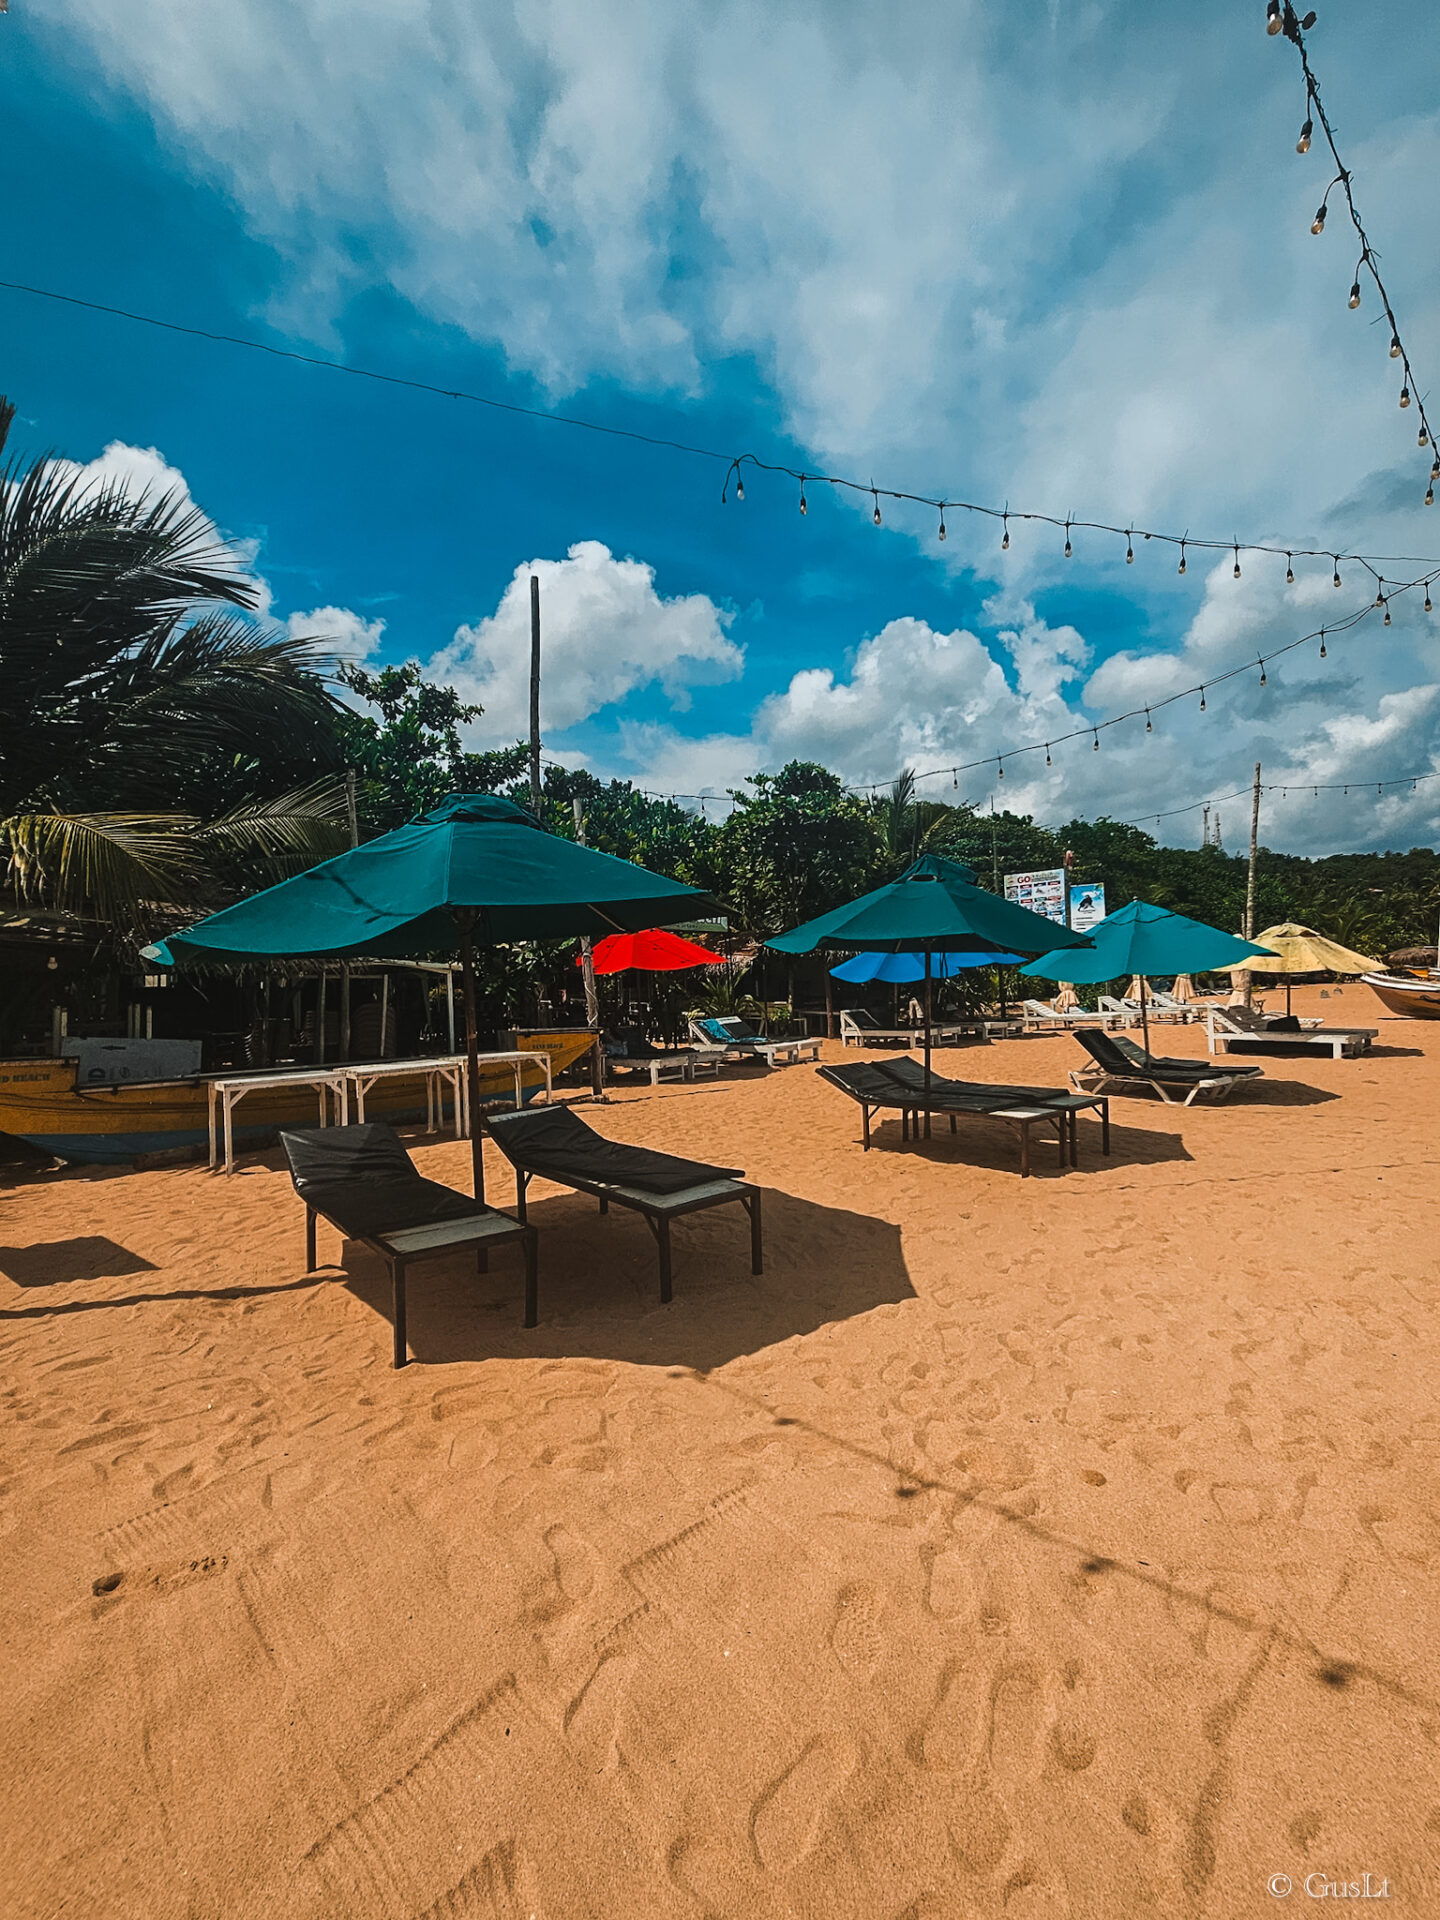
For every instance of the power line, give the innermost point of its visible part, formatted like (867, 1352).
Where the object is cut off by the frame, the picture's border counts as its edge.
(734, 464)
(1282, 19)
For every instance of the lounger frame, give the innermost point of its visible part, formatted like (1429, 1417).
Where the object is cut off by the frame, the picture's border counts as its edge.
(1022, 1116)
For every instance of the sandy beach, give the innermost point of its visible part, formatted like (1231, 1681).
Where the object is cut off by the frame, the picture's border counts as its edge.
(1053, 1547)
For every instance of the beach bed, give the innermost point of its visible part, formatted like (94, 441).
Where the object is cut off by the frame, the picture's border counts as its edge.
(365, 1184)
(739, 1041)
(1121, 1067)
(556, 1144)
(1242, 1030)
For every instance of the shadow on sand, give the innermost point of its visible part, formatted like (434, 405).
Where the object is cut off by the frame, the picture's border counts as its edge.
(89, 1257)
(600, 1285)
(993, 1147)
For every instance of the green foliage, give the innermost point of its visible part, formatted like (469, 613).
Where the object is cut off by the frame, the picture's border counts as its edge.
(798, 844)
(411, 756)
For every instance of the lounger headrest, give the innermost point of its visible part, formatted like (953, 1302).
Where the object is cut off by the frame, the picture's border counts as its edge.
(328, 1156)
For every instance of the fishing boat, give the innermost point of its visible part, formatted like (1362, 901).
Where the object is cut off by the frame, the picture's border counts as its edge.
(1416, 995)
(43, 1103)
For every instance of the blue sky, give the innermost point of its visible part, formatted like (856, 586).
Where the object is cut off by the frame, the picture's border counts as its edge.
(1055, 255)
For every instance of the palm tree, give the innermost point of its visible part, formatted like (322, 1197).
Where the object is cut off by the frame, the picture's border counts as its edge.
(155, 732)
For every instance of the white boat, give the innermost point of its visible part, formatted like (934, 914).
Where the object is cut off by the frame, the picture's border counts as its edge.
(1416, 995)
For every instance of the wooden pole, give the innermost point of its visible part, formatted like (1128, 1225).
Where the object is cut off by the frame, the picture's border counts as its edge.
(927, 1042)
(1250, 879)
(353, 819)
(592, 992)
(472, 1064)
(535, 695)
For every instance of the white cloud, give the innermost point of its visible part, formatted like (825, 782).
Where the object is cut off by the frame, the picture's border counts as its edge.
(606, 632)
(348, 636)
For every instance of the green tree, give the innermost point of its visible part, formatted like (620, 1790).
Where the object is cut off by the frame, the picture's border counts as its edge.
(153, 731)
(795, 846)
(412, 756)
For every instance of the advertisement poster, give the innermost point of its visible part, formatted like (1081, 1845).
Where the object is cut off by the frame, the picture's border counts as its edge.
(1087, 907)
(1040, 892)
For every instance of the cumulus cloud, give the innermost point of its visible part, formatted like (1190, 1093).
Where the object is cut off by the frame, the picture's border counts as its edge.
(606, 632)
(348, 636)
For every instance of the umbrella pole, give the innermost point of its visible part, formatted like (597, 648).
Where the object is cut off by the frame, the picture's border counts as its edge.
(1144, 1015)
(472, 1068)
(927, 1043)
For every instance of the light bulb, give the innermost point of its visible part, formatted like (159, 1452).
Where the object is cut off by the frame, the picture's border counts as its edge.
(1394, 346)
(1424, 436)
(876, 515)
(1428, 607)
(1322, 643)
(1181, 567)
(1337, 570)
(1302, 145)
(1430, 494)
(1005, 543)
(1129, 552)
(1237, 563)
(1380, 595)
(1149, 723)
(1387, 616)
(1289, 571)
(955, 778)
(739, 489)
(942, 526)
(804, 504)
(1273, 21)
(1097, 740)
(1435, 468)
(1202, 699)
(1317, 225)
(1068, 548)
(1355, 295)
(1047, 753)
(1001, 765)
(1263, 680)
(1404, 396)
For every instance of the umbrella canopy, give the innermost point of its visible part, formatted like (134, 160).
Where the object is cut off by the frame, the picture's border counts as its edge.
(475, 869)
(1067, 999)
(1298, 949)
(933, 907)
(654, 951)
(1183, 989)
(902, 968)
(1145, 940)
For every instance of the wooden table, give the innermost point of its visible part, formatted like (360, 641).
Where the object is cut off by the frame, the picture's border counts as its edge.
(226, 1095)
(449, 1067)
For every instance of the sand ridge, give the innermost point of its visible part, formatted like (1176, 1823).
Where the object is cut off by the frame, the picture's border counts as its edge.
(1064, 1546)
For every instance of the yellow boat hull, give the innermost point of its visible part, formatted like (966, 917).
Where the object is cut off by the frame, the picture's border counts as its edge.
(41, 1103)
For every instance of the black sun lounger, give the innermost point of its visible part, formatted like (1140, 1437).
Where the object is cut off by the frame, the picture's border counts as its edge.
(1121, 1065)
(910, 1073)
(556, 1144)
(365, 1184)
(873, 1089)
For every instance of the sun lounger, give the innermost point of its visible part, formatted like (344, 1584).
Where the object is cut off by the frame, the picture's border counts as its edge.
(365, 1184)
(1242, 1030)
(556, 1144)
(1121, 1066)
(859, 1028)
(950, 1095)
(1125, 1013)
(641, 1061)
(741, 1042)
(1038, 1018)
(875, 1088)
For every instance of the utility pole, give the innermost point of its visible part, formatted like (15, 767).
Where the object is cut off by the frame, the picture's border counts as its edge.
(352, 817)
(1250, 880)
(535, 695)
(592, 995)
(1205, 826)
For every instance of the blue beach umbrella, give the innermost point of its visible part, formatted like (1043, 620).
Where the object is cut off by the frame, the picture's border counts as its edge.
(903, 968)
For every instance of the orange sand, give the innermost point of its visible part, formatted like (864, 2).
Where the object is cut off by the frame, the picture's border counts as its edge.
(1064, 1546)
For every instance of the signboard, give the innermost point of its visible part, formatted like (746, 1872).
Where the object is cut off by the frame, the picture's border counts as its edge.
(1087, 906)
(1042, 893)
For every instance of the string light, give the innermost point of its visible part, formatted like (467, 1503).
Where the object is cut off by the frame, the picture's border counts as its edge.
(804, 505)
(1202, 699)
(1295, 29)
(1289, 572)
(1322, 643)
(1068, 548)
(1428, 607)
(1048, 760)
(1336, 581)
(1273, 22)
(1302, 145)
(1262, 670)
(1181, 567)
(876, 515)
(1005, 542)
(1149, 723)
(739, 485)
(1129, 549)
(942, 523)
(1097, 740)
(1001, 765)
(1237, 563)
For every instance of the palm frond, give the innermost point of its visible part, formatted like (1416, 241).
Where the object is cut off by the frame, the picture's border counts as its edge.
(288, 834)
(111, 864)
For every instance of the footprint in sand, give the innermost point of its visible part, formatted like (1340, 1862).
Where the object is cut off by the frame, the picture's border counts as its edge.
(1017, 1712)
(574, 1563)
(788, 1816)
(951, 1591)
(999, 1601)
(856, 1639)
(951, 1732)
(1072, 1736)
(979, 1830)
(500, 1886)
(592, 1720)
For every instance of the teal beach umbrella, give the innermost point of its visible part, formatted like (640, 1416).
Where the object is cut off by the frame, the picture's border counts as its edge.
(477, 870)
(1145, 940)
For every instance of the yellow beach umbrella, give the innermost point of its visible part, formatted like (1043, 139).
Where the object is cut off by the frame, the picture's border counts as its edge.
(1183, 989)
(1298, 949)
(1067, 1000)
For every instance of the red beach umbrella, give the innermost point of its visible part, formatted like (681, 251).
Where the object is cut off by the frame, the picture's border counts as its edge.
(654, 951)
